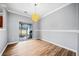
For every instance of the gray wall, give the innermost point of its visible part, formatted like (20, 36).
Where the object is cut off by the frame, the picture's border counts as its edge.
(78, 34)
(36, 30)
(13, 26)
(64, 19)
(78, 46)
(10, 31)
(3, 31)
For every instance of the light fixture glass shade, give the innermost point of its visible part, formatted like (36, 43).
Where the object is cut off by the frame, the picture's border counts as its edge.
(35, 17)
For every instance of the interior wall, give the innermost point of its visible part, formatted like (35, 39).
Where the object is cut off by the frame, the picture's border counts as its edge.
(3, 31)
(10, 31)
(36, 30)
(64, 19)
(13, 26)
(78, 34)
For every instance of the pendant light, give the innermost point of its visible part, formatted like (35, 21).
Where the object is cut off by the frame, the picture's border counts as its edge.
(35, 15)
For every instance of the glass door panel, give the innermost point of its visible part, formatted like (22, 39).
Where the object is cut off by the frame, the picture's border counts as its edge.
(25, 31)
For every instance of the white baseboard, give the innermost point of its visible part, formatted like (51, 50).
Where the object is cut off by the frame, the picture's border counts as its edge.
(3, 50)
(77, 54)
(60, 45)
(12, 42)
(6, 47)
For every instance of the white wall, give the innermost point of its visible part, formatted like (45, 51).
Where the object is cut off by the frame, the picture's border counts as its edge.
(63, 19)
(13, 26)
(3, 32)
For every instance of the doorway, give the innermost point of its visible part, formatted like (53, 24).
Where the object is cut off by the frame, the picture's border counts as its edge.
(25, 31)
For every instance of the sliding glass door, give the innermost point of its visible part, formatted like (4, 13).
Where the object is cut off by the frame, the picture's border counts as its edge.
(25, 31)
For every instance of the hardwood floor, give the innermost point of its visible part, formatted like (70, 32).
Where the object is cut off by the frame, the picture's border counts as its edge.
(36, 48)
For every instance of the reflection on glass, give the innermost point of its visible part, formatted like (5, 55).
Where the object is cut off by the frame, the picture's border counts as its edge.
(25, 31)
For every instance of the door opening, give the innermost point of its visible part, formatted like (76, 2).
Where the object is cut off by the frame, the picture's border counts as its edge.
(25, 31)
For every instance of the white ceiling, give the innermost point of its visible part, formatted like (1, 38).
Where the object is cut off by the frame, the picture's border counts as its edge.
(41, 8)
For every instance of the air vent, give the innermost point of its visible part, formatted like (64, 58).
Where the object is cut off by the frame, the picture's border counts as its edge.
(25, 11)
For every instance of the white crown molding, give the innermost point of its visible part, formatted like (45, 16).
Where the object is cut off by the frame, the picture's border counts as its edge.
(18, 13)
(47, 14)
(4, 6)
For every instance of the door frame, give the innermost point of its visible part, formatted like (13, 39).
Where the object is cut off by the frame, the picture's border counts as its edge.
(27, 24)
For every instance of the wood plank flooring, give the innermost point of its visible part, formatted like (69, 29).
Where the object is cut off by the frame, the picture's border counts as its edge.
(36, 48)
